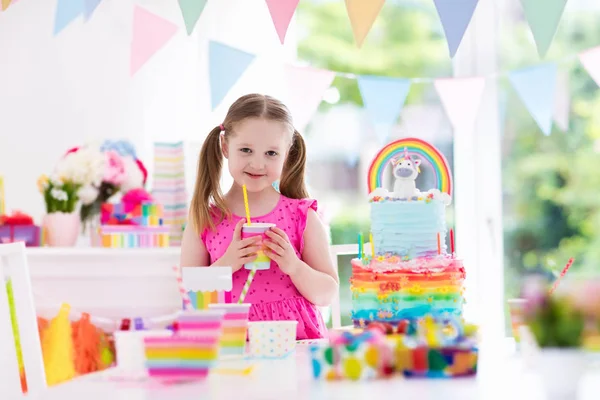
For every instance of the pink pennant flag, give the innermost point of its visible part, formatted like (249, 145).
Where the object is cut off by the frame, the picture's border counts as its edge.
(461, 98)
(590, 59)
(306, 87)
(282, 12)
(150, 34)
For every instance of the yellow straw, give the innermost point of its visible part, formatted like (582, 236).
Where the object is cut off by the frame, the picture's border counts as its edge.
(246, 204)
(372, 245)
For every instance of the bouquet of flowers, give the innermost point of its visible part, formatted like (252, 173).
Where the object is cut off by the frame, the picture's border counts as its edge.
(60, 194)
(100, 172)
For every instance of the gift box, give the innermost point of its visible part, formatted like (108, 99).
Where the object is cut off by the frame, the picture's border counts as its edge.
(354, 356)
(19, 227)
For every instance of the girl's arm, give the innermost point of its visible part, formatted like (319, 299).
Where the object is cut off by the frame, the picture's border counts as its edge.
(193, 251)
(315, 276)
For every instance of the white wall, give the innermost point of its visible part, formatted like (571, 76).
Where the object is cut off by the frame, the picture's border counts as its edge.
(58, 92)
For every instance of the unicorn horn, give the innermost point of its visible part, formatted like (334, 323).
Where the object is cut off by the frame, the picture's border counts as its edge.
(406, 153)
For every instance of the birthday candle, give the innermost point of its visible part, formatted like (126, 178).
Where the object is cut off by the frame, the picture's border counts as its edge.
(452, 241)
(439, 245)
(372, 245)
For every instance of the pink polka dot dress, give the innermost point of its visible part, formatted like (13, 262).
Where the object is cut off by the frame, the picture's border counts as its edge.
(272, 294)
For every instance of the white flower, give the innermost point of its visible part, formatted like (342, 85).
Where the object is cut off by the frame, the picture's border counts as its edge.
(83, 167)
(134, 178)
(87, 194)
(59, 195)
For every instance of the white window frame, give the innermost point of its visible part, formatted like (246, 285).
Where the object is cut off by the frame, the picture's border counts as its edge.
(478, 183)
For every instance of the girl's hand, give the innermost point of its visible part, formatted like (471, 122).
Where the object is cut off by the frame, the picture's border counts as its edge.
(240, 251)
(281, 250)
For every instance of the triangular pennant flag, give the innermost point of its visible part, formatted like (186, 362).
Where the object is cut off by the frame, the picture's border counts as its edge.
(383, 97)
(455, 17)
(5, 4)
(590, 59)
(150, 34)
(562, 101)
(306, 87)
(191, 10)
(227, 65)
(461, 98)
(536, 86)
(362, 14)
(67, 11)
(543, 17)
(90, 7)
(282, 12)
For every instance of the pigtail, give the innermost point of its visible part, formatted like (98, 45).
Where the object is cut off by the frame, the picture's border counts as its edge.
(207, 189)
(292, 177)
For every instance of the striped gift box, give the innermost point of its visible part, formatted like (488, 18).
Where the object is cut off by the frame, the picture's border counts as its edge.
(191, 352)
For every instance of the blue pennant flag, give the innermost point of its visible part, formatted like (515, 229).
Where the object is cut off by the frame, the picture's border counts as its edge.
(536, 86)
(66, 12)
(226, 66)
(384, 99)
(455, 16)
(90, 7)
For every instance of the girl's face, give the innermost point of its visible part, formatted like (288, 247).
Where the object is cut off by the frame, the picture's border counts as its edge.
(256, 152)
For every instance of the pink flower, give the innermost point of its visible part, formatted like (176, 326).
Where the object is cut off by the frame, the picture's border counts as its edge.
(135, 197)
(114, 168)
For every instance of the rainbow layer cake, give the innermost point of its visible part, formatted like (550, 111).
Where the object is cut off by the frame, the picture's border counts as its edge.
(409, 271)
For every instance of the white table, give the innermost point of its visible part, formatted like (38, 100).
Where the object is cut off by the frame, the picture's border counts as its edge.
(501, 376)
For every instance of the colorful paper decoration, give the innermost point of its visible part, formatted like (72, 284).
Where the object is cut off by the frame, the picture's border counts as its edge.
(5, 4)
(383, 98)
(362, 14)
(66, 12)
(169, 188)
(543, 17)
(536, 86)
(191, 10)
(150, 34)
(57, 348)
(590, 59)
(461, 98)
(282, 12)
(227, 64)
(455, 17)
(89, 8)
(306, 87)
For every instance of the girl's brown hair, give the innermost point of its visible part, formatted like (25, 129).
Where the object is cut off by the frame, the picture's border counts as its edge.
(207, 191)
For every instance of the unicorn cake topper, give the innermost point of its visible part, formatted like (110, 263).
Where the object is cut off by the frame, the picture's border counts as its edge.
(406, 170)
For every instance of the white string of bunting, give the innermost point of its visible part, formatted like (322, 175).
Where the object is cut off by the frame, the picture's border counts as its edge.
(383, 97)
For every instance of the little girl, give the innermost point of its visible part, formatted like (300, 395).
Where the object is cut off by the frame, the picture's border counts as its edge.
(261, 146)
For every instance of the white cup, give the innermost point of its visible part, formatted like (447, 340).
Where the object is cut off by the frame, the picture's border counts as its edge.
(129, 346)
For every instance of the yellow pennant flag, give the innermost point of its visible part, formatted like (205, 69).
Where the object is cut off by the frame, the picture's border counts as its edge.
(362, 14)
(5, 4)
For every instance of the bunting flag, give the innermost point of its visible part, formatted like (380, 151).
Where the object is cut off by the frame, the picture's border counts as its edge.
(150, 34)
(455, 17)
(226, 66)
(5, 4)
(562, 103)
(191, 10)
(362, 14)
(383, 99)
(543, 17)
(461, 98)
(282, 12)
(306, 87)
(536, 86)
(66, 12)
(90, 7)
(590, 59)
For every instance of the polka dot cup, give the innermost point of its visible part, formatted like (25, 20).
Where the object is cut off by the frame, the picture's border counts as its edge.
(272, 339)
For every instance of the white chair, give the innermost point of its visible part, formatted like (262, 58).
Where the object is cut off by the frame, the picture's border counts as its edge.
(13, 266)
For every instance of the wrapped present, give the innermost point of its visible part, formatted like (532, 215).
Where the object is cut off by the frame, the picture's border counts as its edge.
(19, 227)
(354, 356)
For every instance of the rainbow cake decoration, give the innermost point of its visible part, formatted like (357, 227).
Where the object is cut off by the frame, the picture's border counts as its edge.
(410, 271)
(127, 226)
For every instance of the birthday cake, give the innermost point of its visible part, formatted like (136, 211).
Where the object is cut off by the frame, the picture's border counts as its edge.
(409, 272)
